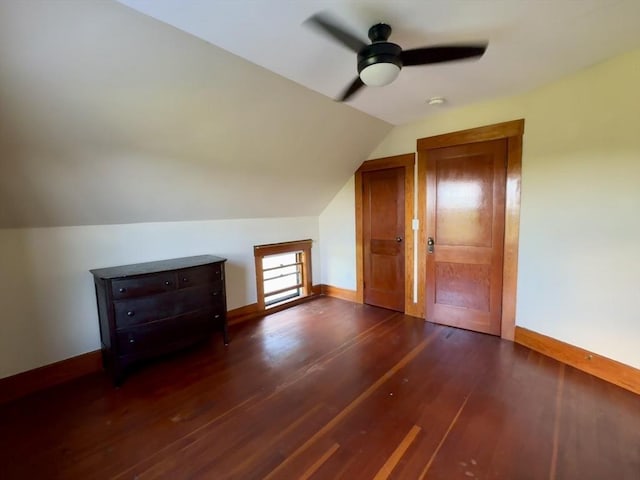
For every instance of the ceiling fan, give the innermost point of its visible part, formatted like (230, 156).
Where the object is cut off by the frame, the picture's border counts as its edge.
(379, 63)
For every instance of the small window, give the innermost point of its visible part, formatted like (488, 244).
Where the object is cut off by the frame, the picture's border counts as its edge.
(283, 272)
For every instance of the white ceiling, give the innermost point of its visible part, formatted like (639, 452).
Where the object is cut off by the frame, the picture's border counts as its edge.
(531, 42)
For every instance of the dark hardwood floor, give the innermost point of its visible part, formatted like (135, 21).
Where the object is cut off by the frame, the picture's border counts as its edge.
(325, 390)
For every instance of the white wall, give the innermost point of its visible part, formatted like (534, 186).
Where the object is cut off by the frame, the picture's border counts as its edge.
(579, 264)
(47, 298)
(338, 244)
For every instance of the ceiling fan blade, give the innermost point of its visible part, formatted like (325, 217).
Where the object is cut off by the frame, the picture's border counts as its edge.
(351, 89)
(327, 25)
(427, 55)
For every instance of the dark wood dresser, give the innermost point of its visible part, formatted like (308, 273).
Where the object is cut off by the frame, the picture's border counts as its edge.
(149, 309)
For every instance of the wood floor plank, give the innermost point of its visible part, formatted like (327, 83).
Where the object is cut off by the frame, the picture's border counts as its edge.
(553, 468)
(435, 452)
(355, 403)
(397, 454)
(599, 431)
(318, 463)
(512, 410)
(371, 432)
(331, 390)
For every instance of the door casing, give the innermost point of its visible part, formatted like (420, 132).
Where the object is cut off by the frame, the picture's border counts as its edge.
(511, 131)
(407, 161)
(464, 272)
(383, 224)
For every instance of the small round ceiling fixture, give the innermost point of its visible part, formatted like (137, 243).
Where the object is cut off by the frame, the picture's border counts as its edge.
(436, 101)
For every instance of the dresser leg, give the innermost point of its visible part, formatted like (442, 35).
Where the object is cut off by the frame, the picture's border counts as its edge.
(112, 366)
(225, 332)
(117, 375)
(105, 359)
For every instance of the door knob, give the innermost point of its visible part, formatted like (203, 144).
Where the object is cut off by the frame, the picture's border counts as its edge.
(398, 239)
(430, 244)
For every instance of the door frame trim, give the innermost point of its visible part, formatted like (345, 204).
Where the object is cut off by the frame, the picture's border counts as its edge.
(407, 161)
(512, 131)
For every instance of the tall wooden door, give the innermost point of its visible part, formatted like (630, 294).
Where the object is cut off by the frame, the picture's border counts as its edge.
(465, 230)
(383, 237)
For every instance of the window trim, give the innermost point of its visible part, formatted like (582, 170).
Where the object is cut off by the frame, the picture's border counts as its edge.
(303, 248)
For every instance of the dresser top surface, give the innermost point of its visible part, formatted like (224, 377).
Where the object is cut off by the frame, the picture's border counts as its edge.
(155, 267)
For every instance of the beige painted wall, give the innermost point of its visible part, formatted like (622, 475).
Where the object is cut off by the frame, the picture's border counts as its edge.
(338, 244)
(108, 116)
(579, 264)
(47, 297)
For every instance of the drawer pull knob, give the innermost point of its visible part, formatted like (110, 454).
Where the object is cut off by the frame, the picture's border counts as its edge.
(216, 316)
(131, 313)
(167, 282)
(185, 280)
(214, 293)
(132, 340)
(122, 289)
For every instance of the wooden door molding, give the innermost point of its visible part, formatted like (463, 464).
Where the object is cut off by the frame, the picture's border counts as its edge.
(511, 131)
(514, 128)
(407, 161)
(464, 272)
(384, 237)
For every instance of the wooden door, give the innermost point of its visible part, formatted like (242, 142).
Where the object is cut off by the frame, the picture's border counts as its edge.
(465, 220)
(383, 237)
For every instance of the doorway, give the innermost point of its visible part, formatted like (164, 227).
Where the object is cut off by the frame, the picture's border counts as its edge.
(384, 190)
(465, 233)
(469, 212)
(383, 237)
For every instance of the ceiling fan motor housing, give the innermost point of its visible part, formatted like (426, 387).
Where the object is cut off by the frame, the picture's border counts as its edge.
(379, 52)
(379, 32)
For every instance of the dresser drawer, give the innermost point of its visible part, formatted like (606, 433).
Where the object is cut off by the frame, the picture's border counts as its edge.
(152, 308)
(166, 335)
(189, 277)
(142, 310)
(143, 285)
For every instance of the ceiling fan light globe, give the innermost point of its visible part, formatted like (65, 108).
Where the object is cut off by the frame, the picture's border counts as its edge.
(379, 74)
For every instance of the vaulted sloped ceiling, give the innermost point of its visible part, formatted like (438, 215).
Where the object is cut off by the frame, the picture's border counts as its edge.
(108, 116)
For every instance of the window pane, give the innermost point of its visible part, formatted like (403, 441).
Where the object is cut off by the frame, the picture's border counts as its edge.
(289, 270)
(279, 297)
(279, 283)
(283, 274)
(277, 260)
